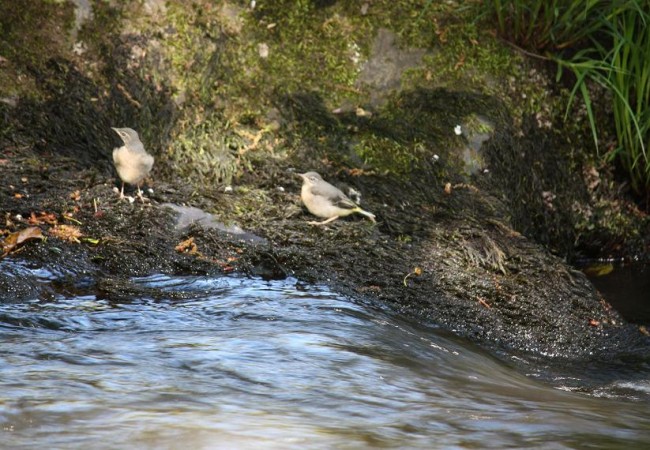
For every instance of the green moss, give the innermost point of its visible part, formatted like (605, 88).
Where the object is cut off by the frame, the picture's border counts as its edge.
(31, 34)
(387, 155)
(310, 48)
(205, 151)
(474, 124)
(231, 76)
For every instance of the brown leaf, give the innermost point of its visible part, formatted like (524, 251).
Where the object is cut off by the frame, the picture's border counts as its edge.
(42, 218)
(66, 233)
(12, 241)
(187, 246)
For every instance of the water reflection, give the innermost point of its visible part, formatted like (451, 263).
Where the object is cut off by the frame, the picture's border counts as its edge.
(238, 363)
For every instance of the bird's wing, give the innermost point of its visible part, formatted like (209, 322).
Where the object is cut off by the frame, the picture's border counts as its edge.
(145, 163)
(334, 195)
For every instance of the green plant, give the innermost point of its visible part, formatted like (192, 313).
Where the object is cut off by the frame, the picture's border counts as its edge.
(546, 24)
(617, 60)
(605, 42)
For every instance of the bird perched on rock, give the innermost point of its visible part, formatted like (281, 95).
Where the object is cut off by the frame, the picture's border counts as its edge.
(131, 160)
(327, 201)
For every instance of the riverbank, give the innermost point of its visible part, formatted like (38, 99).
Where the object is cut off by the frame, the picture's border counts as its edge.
(474, 197)
(471, 274)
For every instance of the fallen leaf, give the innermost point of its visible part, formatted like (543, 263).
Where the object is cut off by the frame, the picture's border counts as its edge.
(187, 246)
(12, 241)
(594, 322)
(42, 218)
(76, 195)
(417, 272)
(599, 270)
(66, 232)
(448, 188)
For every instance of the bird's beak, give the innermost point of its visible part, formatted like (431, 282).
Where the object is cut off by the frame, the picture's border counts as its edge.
(114, 129)
(301, 175)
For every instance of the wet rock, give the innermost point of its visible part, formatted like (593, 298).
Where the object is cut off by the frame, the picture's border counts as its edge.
(186, 216)
(383, 70)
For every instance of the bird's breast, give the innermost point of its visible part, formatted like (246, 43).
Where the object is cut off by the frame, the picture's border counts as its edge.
(132, 166)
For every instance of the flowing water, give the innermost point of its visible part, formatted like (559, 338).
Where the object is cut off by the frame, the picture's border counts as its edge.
(211, 363)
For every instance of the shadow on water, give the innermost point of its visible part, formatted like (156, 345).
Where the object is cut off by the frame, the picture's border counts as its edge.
(220, 362)
(627, 288)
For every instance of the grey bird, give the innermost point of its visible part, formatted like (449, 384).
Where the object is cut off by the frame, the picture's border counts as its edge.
(132, 161)
(327, 201)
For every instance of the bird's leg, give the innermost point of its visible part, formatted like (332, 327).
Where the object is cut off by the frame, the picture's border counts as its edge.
(122, 192)
(140, 196)
(331, 219)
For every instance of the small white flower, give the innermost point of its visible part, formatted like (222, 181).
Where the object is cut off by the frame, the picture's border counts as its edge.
(458, 130)
(252, 4)
(228, 189)
(436, 157)
(280, 188)
(79, 48)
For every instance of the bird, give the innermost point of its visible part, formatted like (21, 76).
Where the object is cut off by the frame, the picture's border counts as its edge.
(132, 161)
(327, 201)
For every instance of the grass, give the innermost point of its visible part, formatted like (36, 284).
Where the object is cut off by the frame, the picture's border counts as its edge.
(602, 42)
(546, 25)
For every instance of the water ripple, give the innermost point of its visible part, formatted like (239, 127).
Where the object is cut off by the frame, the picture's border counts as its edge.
(195, 362)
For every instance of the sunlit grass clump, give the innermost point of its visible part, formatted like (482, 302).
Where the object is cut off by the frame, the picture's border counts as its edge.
(606, 42)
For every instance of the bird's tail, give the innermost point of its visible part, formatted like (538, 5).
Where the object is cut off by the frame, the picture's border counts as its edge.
(369, 215)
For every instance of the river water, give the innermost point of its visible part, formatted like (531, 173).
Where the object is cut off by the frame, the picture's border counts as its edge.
(212, 363)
